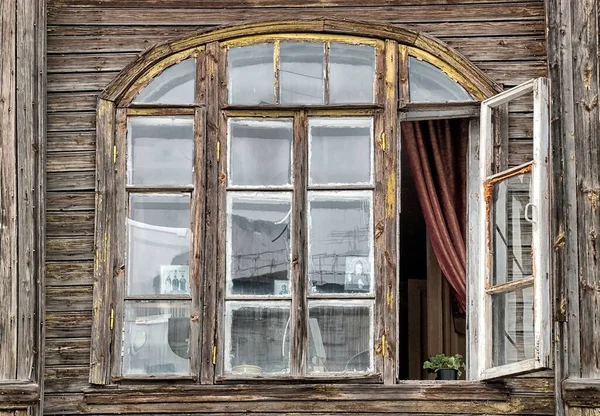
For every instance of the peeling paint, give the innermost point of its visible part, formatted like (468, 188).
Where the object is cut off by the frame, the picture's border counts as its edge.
(559, 242)
(390, 196)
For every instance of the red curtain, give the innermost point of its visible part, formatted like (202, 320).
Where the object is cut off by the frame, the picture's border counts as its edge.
(437, 153)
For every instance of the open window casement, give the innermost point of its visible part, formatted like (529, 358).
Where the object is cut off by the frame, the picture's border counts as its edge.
(511, 292)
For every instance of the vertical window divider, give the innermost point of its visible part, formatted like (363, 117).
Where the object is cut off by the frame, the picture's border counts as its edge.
(197, 279)
(121, 242)
(389, 164)
(210, 338)
(276, 65)
(403, 85)
(326, 71)
(299, 307)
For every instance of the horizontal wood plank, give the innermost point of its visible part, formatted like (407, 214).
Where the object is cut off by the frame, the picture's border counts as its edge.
(70, 201)
(70, 181)
(76, 324)
(71, 141)
(71, 161)
(75, 273)
(67, 351)
(74, 298)
(69, 249)
(220, 16)
(61, 224)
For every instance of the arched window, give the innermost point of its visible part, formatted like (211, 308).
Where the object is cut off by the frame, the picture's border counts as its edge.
(248, 201)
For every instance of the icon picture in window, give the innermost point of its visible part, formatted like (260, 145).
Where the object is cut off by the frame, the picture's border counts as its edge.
(358, 276)
(281, 287)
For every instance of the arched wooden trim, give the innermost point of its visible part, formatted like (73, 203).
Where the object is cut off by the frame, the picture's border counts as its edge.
(145, 61)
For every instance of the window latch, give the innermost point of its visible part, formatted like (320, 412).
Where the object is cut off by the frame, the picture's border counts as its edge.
(529, 218)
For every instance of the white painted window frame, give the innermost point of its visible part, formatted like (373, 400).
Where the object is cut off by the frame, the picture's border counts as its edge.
(479, 274)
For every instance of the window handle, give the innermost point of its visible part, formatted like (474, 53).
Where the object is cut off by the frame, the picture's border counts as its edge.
(528, 218)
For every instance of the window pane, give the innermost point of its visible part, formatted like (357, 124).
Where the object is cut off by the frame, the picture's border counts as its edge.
(156, 338)
(511, 233)
(251, 74)
(261, 152)
(340, 150)
(340, 337)
(351, 73)
(161, 150)
(340, 244)
(428, 83)
(257, 338)
(159, 240)
(301, 73)
(175, 85)
(258, 243)
(513, 327)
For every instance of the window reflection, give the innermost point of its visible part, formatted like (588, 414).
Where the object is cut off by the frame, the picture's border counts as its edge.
(175, 85)
(428, 83)
(302, 73)
(251, 75)
(259, 227)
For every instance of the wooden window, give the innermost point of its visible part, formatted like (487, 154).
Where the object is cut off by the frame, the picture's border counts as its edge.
(300, 288)
(510, 314)
(247, 212)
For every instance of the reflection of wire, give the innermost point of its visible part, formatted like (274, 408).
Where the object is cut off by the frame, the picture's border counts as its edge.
(280, 234)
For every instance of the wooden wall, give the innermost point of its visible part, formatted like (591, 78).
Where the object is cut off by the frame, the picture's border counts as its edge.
(90, 41)
(574, 72)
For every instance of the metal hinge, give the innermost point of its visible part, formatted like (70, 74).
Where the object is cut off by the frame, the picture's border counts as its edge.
(383, 347)
(218, 151)
(112, 318)
(214, 361)
(383, 144)
(115, 154)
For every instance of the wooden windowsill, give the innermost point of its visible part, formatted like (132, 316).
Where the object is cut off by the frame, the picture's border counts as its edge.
(406, 390)
(13, 392)
(581, 391)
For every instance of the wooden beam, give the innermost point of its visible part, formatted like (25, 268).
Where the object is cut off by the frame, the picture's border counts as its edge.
(8, 193)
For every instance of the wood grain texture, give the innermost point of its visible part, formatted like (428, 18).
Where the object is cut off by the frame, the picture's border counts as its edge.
(8, 194)
(91, 40)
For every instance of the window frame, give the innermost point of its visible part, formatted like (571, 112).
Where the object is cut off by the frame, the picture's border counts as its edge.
(115, 103)
(479, 277)
(384, 154)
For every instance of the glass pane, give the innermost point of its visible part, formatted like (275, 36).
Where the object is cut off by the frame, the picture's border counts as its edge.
(251, 74)
(159, 243)
(513, 327)
(340, 150)
(258, 243)
(257, 338)
(351, 73)
(511, 231)
(340, 243)
(156, 338)
(302, 73)
(261, 152)
(175, 85)
(428, 83)
(340, 337)
(161, 150)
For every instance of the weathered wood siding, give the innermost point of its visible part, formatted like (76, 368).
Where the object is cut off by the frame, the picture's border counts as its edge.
(574, 71)
(90, 41)
(22, 151)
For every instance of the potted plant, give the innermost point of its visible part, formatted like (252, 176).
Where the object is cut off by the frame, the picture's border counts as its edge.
(446, 367)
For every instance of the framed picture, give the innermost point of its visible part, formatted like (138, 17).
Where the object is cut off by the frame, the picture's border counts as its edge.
(358, 274)
(174, 279)
(281, 287)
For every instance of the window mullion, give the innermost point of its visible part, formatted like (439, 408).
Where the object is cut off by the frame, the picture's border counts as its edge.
(299, 313)
(119, 250)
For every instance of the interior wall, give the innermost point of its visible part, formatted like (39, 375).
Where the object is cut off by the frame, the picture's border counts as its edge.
(90, 41)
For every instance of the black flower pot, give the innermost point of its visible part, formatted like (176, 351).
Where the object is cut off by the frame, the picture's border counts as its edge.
(446, 374)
